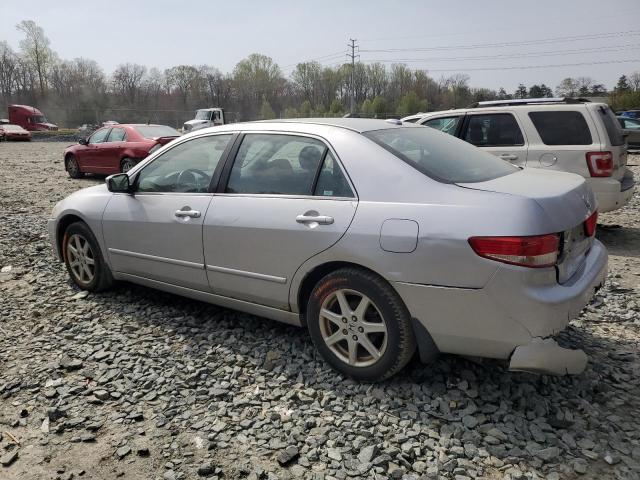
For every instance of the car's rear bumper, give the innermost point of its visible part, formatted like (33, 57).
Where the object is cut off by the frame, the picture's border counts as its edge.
(516, 306)
(611, 193)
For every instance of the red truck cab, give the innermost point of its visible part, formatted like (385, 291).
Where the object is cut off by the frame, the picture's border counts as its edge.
(29, 118)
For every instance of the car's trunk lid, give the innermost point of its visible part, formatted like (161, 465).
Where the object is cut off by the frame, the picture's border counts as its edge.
(566, 200)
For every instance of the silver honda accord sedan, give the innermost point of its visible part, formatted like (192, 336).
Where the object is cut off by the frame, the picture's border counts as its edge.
(378, 237)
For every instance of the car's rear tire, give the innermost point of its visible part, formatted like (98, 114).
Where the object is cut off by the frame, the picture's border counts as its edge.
(72, 167)
(83, 259)
(126, 164)
(360, 325)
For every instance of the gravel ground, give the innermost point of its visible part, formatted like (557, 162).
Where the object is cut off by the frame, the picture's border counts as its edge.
(139, 384)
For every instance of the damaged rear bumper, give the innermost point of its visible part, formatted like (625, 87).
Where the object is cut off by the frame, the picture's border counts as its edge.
(544, 355)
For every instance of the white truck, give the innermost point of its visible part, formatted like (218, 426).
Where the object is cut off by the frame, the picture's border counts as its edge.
(205, 117)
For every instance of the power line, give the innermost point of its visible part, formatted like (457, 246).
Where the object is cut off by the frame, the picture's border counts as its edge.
(323, 57)
(571, 38)
(513, 55)
(529, 67)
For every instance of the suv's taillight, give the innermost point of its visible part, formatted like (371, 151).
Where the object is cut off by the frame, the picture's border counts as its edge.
(535, 251)
(600, 164)
(590, 224)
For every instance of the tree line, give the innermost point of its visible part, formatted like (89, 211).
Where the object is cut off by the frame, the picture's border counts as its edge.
(72, 92)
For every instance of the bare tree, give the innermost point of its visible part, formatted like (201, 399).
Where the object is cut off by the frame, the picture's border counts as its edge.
(35, 49)
(127, 80)
(8, 65)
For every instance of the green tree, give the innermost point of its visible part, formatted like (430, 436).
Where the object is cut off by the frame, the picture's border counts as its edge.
(366, 108)
(305, 109)
(335, 109)
(521, 92)
(290, 112)
(622, 85)
(379, 106)
(266, 112)
(409, 103)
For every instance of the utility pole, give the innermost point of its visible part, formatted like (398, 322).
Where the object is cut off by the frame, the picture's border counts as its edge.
(352, 45)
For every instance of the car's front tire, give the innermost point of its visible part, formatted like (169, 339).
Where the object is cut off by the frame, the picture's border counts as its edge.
(72, 167)
(360, 325)
(83, 259)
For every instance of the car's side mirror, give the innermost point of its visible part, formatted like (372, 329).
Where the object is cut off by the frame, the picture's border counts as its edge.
(119, 183)
(83, 141)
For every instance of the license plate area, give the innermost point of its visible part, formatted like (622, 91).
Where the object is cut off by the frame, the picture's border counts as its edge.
(575, 245)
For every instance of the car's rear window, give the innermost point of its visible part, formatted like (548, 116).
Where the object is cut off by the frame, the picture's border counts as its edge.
(562, 127)
(156, 131)
(616, 136)
(440, 156)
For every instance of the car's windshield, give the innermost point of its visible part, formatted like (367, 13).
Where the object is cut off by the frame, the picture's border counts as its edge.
(441, 156)
(156, 131)
(203, 115)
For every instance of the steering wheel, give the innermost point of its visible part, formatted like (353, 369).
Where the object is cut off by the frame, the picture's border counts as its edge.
(193, 172)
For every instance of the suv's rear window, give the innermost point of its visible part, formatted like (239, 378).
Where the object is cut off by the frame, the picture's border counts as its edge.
(441, 156)
(562, 128)
(616, 136)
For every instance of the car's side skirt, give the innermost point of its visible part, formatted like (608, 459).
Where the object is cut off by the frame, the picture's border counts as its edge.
(227, 302)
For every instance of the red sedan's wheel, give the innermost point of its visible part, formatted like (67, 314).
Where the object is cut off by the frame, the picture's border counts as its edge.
(126, 164)
(73, 169)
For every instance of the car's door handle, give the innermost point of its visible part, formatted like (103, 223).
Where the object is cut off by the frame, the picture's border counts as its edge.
(320, 219)
(187, 213)
(508, 156)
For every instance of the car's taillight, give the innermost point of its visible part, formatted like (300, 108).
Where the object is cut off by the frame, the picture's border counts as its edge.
(534, 251)
(600, 164)
(590, 224)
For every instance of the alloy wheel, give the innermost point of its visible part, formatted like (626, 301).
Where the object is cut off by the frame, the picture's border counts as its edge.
(353, 328)
(81, 259)
(72, 166)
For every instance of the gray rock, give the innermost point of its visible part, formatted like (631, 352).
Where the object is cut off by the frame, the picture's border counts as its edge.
(288, 455)
(367, 454)
(8, 458)
(123, 451)
(548, 454)
(206, 469)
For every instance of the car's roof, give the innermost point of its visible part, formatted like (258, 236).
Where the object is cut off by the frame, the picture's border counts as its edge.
(356, 124)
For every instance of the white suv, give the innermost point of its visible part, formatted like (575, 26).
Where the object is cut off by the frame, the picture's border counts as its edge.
(558, 134)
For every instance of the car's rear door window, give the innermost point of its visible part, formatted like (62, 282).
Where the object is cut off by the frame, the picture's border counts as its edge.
(444, 124)
(117, 135)
(276, 164)
(331, 180)
(493, 130)
(441, 157)
(614, 132)
(561, 127)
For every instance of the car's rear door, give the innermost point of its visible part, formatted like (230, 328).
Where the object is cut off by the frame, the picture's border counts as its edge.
(111, 150)
(156, 232)
(499, 133)
(283, 198)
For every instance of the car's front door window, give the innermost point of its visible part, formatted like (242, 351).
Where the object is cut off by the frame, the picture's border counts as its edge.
(186, 168)
(99, 137)
(276, 164)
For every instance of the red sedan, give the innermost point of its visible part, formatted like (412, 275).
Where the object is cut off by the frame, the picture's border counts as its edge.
(115, 148)
(14, 132)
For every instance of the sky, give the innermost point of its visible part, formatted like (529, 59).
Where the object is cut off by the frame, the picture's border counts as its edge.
(489, 41)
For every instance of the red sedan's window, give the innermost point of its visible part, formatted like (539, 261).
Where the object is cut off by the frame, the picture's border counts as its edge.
(100, 136)
(117, 135)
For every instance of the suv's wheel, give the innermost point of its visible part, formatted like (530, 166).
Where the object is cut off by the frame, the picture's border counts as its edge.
(83, 259)
(360, 325)
(73, 169)
(126, 164)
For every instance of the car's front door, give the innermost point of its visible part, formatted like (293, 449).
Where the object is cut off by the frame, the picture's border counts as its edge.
(156, 232)
(286, 200)
(90, 157)
(497, 133)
